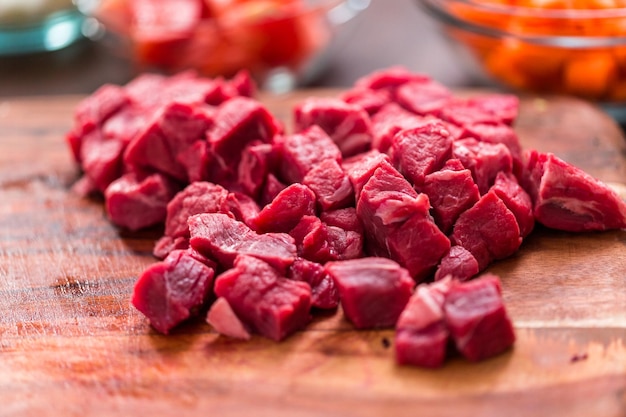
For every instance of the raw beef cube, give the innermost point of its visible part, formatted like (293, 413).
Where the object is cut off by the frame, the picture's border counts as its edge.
(361, 167)
(391, 119)
(421, 332)
(485, 160)
(423, 97)
(167, 244)
(218, 236)
(196, 160)
(271, 188)
(453, 164)
(397, 223)
(300, 152)
(388, 198)
(345, 233)
(286, 210)
(312, 241)
(238, 122)
(196, 198)
(389, 78)
(463, 112)
(418, 151)
(134, 202)
(267, 302)
(143, 90)
(242, 207)
(164, 142)
(171, 291)
(504, 106)
(450, 192)
(458, 263)
(345, 218)
(567, 198)
(418, 245)
(517, 200)
(324, 293)
(369, 100)
(101, 159)
(488, 230)
(331, 185)
(372, 291)
(99, 106)
(253, 168)
(348, 125)
(499, 133)
(476, 318)
(224, 320)
(242, 84)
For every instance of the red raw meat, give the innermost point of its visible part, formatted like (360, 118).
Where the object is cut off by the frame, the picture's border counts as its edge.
(324, 293)
(372, 291)
(418, 151)
(421, 331)
(517, 200)
(286, 210)
(567, 198)
(218, 236)
(369, 100)
(450, 193)
(488, 230)
(301, 152)
(423, 98)
(224, 320)
(361, 167)
(391, 119)
(390, 78)
(171, 291)
(331, 185)
(476, 318)
(348, 125)
(134, 202)
(485, 160)
(264, 300)
(458, 263)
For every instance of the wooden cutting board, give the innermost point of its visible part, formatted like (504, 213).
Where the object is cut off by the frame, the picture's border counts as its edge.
(71, 345)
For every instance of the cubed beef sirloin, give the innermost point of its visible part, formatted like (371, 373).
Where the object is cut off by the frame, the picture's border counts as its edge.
(484, 159)
(389, 120)
(464, 112)
(423, 97)
(505, 107)
(173, 290)
(369, 100)
(517, 200)
(286, 210)
(421, 150)
(348, 125)
(498, 133)
(220, 237)
(389, 79)
(324, 292)
(450, 192)
(312, 239)
(254, 167)
(470, 314)
(263, 299)
(136, 201)
(361, 167)
(96, 108)
(300, 152)
(163, 144)
(224, 320)
(398, 225)
(476, 318)
(567, 198)
(421, 332)
(488, 230)
(372, 291)
(331, 185)
(101, 159)
(459, 263)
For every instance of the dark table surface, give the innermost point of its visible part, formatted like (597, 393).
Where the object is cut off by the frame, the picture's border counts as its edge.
(389, 32)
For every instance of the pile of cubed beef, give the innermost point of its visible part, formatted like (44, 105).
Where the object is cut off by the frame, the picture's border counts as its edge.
(389, 200)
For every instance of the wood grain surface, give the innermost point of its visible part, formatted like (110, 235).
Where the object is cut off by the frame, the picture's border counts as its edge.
(71, 344)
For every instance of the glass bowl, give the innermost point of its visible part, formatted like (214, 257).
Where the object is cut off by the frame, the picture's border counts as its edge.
(29, 26)
(282, 43)
(573, 47)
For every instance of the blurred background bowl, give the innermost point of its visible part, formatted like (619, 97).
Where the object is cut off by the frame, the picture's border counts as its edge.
(573, 47)
(281, 42)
